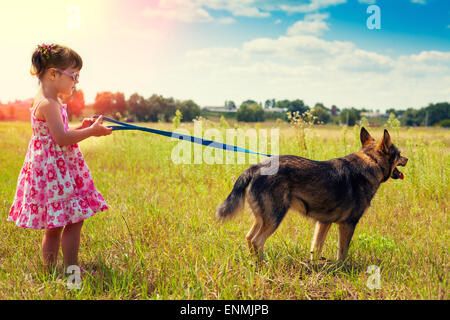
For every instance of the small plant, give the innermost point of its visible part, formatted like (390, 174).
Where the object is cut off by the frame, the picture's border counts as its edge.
(393, 124)
(177, 119)
(118, 116)
(300, 121)
(344, 135)
(364, 122)
(223, 123)
(279, 122)
(376, 242)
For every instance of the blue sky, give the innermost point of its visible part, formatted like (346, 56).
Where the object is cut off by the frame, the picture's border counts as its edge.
(216, 50)
(406, 27)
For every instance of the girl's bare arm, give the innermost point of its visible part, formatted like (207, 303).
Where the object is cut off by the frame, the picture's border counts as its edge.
(50, 110)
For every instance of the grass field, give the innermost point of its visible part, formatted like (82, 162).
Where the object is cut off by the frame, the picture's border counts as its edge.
(159, 240)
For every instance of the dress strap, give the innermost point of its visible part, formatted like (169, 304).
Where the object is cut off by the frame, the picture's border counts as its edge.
(38, 103)
(33, 109)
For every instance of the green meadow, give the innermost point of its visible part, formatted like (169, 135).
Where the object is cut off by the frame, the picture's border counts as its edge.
(160, 240)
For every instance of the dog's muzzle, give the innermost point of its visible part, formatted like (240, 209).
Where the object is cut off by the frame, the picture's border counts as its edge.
(396, 174)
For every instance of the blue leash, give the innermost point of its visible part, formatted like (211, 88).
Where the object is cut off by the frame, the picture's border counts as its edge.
(208, 143)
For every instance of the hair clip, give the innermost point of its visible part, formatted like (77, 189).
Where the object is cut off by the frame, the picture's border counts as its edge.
(45, 49)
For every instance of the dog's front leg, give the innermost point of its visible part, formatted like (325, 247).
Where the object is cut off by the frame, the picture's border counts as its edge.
(345, 235)
(320, 234)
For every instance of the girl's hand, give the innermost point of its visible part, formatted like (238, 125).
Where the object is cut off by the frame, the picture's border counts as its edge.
(98, 130)
(87, 122)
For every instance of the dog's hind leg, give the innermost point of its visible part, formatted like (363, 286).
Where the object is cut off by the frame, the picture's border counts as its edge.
(253, 231)
(258, 223)
(345, 235)
(269, 226)
(260, 238)
(320, 233)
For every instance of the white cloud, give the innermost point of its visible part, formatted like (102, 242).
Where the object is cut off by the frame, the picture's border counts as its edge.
(180, 10)
(247, 8)
(226, 20)
(419, 1)
(312, 6)
(312, 24)
(190, 11)
(334, 72)
(367, 1)
(277, 21)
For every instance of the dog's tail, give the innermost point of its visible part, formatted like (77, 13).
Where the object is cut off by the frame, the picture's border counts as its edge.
(234, 203)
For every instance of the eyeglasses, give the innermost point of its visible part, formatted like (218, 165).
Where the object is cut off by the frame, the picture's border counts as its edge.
(75, 75)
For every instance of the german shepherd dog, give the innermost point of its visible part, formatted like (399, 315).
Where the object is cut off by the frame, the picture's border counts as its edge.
(337, 190)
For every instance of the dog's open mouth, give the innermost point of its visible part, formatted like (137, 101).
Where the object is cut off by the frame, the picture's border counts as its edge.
(396, 174)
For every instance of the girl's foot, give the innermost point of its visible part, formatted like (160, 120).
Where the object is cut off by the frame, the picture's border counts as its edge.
(85, 272)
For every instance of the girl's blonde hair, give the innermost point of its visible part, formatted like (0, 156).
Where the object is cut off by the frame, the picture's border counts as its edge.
(53, 56)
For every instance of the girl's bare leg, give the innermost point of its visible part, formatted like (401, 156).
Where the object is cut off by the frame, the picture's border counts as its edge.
(50, 246)
(70, 243)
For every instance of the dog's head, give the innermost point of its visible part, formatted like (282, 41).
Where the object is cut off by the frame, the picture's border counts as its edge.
(385, 151)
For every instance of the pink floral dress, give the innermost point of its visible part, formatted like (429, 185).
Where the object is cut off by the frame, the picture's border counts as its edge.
(55, 186)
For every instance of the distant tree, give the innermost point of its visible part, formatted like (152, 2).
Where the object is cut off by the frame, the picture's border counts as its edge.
(170, 107)
(75, 104)
(320, 104)
(108, 103)
(190, 110)
(156, 106)
(437, 112)
(349, 116)
(392, 110)
(270, 103)
(292, 106)
(445, 123)
(399, 113)
(12, 112)
(321, 113)
(427, 116)
(249, 102)
(334, 110)
(297, 105)
(230, 104)
(250, 113)
(283, 104)
(413, 117)
(162, 109)
(138, 107)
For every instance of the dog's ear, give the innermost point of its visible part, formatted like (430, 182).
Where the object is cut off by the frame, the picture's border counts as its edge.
(365, 137)
(386, 142)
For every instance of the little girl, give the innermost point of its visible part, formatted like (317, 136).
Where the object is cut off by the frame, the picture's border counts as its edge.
(55, 190)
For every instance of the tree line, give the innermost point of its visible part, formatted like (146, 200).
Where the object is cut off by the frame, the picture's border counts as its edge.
(135, 108)
(431, 115)
(159, 108)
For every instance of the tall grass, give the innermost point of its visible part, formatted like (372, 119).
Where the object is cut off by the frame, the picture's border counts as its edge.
(159, 240)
